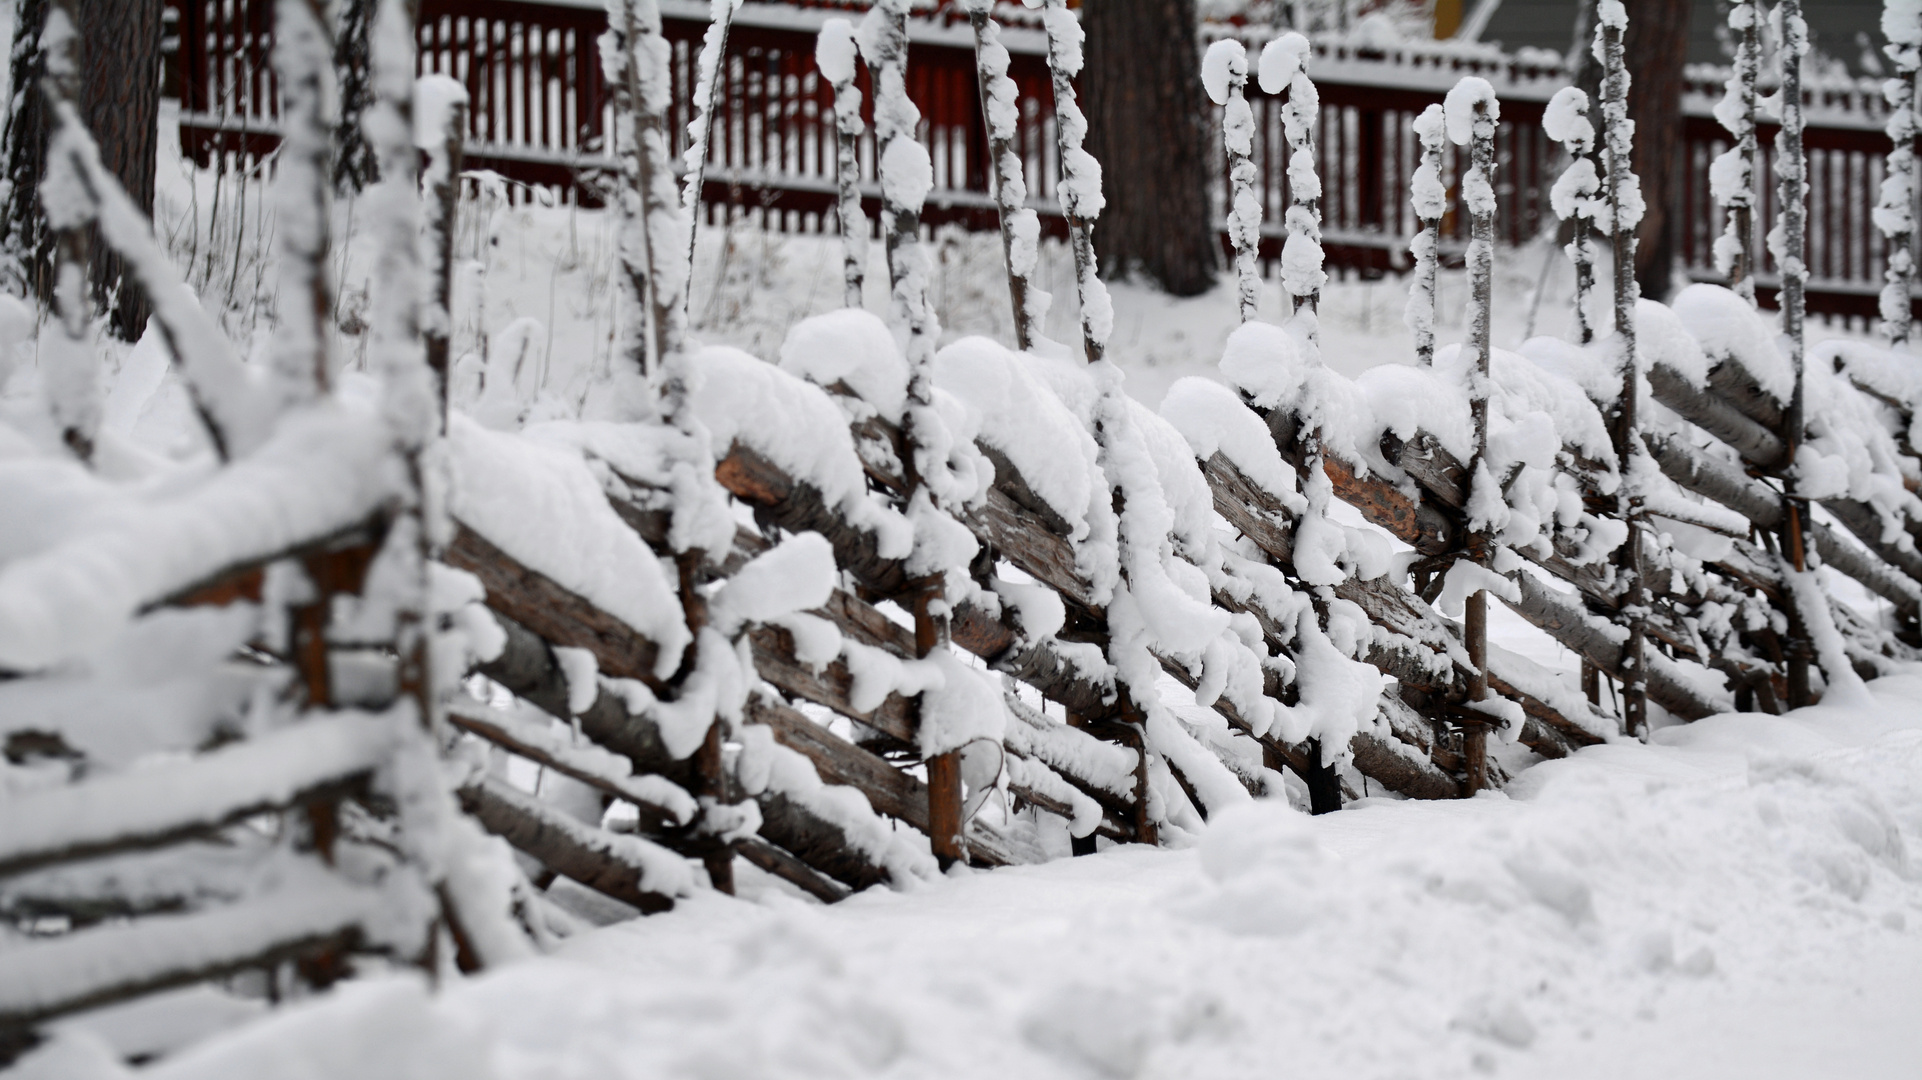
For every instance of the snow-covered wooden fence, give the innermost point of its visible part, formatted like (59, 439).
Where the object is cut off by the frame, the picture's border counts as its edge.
(540, 112)
(855, 611)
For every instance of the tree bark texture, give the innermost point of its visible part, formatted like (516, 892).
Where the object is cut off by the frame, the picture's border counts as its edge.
(1657, 47)
(23, 232)
(1147, 127)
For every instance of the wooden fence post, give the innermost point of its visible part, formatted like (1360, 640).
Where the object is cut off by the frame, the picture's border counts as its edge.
(1732, 176)
(443, 204)
(1472, 113)
(1080, 185)
(1895, 214)
(1574, 196)
(1624, 205)
(1020, 226)
(1284, 66)
(1430, 200)
(834, 55)
(1791, 166)
(906, 172)
(710, 78)
(1224, 74)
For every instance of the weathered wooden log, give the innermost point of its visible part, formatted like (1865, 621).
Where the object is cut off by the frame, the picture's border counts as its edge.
(556, 614)
(152, 807)
(571, 848)
(889, 790)
(1716, 414)
(1564, 620)
(44, 979)
(655, 819)
(351, 548)
(1423, 644)
(1728, 485)
(782, 865)
(1404, 763)
(527, 667)
(995, 637)
(832, 686)
(1735, 413)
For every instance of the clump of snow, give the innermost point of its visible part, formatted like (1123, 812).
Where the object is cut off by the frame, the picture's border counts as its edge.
(1730, 331)
(1225, 60)
(1212, 420)
(1281, 60)
(1020, 416)
(543, 507)
(854, 348)
(1467, 103)
(797, 427)
(794, 575)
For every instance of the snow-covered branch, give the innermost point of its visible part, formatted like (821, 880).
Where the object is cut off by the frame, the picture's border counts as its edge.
(710, 78)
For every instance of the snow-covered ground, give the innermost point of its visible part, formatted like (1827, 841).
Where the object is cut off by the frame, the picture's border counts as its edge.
(1741, 898)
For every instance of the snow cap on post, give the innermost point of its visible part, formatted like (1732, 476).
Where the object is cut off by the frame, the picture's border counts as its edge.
(1281, 60)
(834, 51)
(1470, 97)
(1566, 118)
(435, 97)
(1225, 63)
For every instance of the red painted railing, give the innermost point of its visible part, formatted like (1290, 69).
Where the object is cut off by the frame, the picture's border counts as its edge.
(533, 74)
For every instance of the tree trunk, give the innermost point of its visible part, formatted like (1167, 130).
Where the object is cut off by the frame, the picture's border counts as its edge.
(120, 59)
(23, 232)
(1657, 47)
(1147, 127)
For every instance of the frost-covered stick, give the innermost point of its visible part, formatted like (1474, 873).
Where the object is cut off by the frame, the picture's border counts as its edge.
(907, 173)
(1732, 175)
(409, 401)
(1624, 195)
(1080, 186)
(354, 166)
(1574, 195)
(1788, 243)
(707, 91)
(443, 103)
(1224, 73)
(1895, 213)
(653, 249)
(1284, 66)
(1472, 112)
(69, 369)
(1430, 199)
(834, 53)
(303, 201)
(1020, 226)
